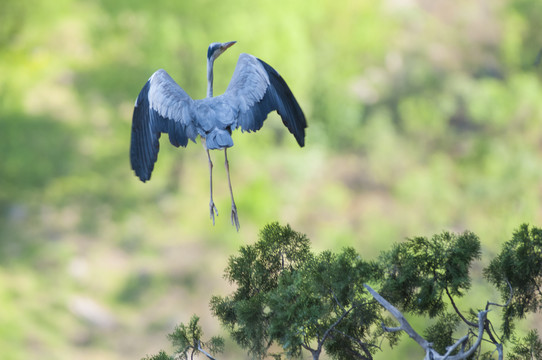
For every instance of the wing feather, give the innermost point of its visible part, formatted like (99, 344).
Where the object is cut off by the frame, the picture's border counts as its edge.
(161, 107)
(255, 90)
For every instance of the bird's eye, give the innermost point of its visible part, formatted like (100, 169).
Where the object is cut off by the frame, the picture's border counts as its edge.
(210, 51)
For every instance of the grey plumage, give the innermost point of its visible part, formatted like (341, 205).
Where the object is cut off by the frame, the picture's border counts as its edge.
(162, 106)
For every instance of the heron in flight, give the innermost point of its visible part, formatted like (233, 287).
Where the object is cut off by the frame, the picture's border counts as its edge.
(162, 106)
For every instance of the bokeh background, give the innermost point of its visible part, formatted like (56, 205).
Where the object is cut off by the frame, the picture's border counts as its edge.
(423, 116)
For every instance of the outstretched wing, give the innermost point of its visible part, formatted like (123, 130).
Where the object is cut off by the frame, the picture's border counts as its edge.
(161, 107)
(255, 90)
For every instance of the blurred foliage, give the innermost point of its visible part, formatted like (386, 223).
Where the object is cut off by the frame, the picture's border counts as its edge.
(423, 116)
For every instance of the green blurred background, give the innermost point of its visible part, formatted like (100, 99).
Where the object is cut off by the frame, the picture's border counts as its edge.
(423, 116)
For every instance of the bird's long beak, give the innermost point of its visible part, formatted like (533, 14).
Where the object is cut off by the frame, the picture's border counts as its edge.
(227, 45)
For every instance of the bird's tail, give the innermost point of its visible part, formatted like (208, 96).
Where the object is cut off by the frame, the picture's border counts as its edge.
(218, 139)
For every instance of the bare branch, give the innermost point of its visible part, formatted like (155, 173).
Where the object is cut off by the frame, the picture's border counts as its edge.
(405, 326)
(430, 353)
(482, 316)
(204, 352)
(306, 347)
(337, 300)
(451, 349)
(307, 342)
(192, 353)
(470, 323)
(326, 333)
(390, 329)
(509, 298)
(499, 349)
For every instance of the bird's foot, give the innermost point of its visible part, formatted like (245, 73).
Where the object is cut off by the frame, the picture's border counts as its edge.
(213, 209)
(234, 217)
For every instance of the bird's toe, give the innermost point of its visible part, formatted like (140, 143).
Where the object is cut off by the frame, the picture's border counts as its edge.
(213, 210)
(234, 217)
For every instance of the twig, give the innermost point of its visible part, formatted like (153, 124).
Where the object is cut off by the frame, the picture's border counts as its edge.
(326, 333)
(509, 298)
(337, 300)
(470, 323)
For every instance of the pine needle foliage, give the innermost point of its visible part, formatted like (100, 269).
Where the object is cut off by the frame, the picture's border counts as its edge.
(441, 333)
(188, 343)
(188, 340)
(255, 272)
(420, 272)
(529, 347)
(517, 273)
(286, 295)
(323, 304)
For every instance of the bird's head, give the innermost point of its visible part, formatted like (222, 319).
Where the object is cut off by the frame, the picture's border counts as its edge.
(216, 49)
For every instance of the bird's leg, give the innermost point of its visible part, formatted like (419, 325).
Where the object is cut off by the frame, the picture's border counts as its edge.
(234, 217)
(212, 206)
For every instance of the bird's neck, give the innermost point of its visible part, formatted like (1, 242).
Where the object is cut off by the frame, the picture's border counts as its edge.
(210, 78)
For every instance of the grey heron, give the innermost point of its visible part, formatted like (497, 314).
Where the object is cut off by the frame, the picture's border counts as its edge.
(162, 106)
